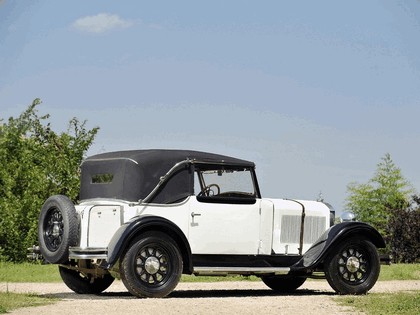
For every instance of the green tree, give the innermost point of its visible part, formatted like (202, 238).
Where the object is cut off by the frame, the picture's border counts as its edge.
(373, 202)
(36, 163)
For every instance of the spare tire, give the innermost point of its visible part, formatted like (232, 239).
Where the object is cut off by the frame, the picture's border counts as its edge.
(57, 229)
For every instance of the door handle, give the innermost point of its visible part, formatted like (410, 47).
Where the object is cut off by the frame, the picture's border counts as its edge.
(193, 214)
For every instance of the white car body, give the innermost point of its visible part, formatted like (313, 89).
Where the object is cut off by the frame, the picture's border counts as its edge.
(147, 216)
(266, 227)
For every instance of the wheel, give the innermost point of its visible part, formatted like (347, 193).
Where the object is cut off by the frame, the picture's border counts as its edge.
(57, 229)
(353, 266)
(82, 284)
(284, 283)
(152, 266)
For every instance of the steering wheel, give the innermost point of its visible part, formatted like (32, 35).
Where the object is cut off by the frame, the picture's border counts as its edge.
(208, 191)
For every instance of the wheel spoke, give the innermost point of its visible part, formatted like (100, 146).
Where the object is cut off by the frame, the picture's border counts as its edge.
(352, 265)
(359, 276)
(152, 264)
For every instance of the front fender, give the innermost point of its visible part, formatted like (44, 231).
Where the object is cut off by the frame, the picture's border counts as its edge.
(317, 252)
(128, 231)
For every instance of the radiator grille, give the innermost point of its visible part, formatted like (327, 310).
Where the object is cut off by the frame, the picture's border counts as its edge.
(290, 229)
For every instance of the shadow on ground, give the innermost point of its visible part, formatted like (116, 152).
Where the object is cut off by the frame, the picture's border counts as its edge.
(185, 294)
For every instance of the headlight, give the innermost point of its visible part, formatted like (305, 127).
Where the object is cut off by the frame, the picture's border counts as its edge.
(347, 216)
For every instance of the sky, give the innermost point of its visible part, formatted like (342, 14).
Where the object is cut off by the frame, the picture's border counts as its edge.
(314, 92)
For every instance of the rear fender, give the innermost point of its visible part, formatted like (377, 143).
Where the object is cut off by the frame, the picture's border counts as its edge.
(128, 231)
(326, 242)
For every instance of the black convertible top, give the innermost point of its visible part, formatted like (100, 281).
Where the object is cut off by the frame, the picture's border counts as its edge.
(132, 175)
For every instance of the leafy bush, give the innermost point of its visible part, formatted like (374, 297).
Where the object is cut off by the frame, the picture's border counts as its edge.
(404, 233)
(36, 163)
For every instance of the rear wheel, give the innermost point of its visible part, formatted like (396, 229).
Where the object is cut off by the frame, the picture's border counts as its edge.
(353, 266)
(283, 283)
(85, 284)
(152, 266)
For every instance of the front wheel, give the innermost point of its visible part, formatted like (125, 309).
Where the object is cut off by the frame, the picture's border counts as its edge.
(353, 266)
(152, 266)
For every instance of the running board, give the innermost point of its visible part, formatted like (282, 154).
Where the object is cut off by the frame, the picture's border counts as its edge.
(224, 271)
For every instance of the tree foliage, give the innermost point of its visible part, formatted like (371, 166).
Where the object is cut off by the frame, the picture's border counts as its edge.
(373, 202)
(36, 163)
(404, 233)
(386, 202)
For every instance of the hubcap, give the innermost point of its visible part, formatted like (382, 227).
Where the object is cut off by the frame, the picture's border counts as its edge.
(353, 265)
(56, 229)
(152, 265)
(53, 230)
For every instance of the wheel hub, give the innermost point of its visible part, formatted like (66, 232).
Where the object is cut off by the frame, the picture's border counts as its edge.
(152, 265)
(56, 229)
(353, 264)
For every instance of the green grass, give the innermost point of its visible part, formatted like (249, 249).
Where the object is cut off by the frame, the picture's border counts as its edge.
(10, 301)
(28, 272)
(400, 272)
(33, 272)
(402, 303)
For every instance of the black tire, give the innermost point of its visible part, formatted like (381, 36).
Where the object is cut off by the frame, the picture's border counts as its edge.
(353, 266)
(82, 284)
(57, 229)
(152, 266)
(283, 283)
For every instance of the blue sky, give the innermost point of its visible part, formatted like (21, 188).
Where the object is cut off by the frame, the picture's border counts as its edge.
(315, 92)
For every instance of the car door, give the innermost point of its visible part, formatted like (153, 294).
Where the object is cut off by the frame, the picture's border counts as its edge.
(226, 217)
(224, 228)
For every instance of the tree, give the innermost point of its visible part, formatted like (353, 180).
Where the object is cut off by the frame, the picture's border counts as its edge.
(374, 201)
(36, 163)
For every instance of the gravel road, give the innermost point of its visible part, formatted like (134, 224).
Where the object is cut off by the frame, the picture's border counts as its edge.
(314, 297)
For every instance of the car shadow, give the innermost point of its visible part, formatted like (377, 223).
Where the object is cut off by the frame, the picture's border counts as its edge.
(185, 294)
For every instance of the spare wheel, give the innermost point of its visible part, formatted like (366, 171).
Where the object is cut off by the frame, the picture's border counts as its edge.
(57, 229)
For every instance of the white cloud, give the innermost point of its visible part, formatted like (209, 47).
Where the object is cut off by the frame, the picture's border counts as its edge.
(101, 23)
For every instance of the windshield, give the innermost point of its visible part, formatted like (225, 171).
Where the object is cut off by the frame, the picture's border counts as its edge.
(225, 182)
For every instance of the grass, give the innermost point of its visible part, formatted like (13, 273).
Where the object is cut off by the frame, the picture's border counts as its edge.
(33, 272)
(10, 301)
(28, 272)
(400, 272)
(402, 303)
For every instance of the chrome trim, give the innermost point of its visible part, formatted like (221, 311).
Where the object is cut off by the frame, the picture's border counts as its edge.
(110, 159)
(88, 253)
(240, 270)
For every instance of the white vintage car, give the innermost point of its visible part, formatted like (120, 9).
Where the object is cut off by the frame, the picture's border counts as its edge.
(148, 216)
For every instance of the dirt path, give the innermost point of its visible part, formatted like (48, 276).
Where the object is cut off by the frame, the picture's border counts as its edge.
(314, 297)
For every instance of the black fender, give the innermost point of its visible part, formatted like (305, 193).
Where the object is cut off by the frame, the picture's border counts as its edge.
(137, 225)
(335, 234)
